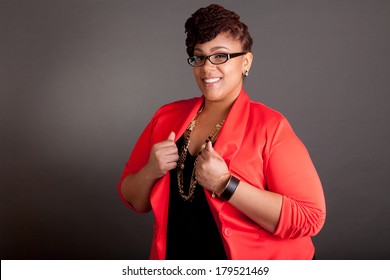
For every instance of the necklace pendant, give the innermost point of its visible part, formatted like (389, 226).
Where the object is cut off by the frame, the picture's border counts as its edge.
(182, 166)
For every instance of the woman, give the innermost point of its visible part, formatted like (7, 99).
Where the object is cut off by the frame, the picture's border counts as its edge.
(226, 177)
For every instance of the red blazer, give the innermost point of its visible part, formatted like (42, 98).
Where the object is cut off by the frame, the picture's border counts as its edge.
(260, 148)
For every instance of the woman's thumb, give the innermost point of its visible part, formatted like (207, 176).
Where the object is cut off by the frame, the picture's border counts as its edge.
(210, 147)
(171, 136)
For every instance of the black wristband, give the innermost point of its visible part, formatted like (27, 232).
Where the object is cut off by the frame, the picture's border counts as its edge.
(230, 188)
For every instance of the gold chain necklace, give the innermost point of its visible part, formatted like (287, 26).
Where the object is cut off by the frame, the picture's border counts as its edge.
(182, 158)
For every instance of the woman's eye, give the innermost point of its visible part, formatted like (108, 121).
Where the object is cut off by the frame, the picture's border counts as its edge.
(219, 56)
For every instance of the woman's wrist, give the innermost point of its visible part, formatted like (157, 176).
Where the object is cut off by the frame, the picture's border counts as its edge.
(225, 187)
(220, 185)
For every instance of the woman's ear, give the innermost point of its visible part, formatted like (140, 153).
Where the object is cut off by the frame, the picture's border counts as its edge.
(248, 58)
(247, 62)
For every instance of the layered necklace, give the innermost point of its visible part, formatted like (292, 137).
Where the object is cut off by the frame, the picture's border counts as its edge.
(183, 154)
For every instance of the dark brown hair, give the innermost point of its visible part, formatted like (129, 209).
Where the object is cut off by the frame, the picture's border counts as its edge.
(207, 23)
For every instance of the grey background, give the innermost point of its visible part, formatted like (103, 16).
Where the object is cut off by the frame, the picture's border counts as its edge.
(79, 80)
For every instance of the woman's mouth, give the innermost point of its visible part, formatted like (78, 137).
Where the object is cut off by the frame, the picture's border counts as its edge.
(211, 81)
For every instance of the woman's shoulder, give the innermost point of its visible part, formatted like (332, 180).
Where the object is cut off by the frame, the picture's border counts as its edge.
(265, 112)
(178, 106)
(181, 103)
(269, 118)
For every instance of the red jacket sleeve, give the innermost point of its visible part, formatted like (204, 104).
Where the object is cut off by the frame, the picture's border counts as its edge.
(290, 172)
(138, 157)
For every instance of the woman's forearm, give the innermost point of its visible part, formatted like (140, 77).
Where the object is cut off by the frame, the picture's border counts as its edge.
(136, 189)
(263, 207)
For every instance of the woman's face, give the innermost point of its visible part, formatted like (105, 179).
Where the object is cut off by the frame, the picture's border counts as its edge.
(223, 82)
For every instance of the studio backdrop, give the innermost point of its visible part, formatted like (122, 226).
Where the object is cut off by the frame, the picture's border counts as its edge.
(79, 80)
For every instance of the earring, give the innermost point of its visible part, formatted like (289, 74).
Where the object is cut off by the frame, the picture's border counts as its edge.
(246, 73)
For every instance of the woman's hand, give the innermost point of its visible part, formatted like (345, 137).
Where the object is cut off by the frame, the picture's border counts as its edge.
(210, 169)
(137, 187)
(163, 157)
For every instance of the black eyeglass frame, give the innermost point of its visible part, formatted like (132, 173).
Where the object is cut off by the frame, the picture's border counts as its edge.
(204, 58)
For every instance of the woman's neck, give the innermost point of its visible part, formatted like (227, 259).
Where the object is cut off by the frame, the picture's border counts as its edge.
(221, 106)
(219, 109)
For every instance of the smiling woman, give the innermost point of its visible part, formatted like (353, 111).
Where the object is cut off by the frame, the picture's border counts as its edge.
(225, 176)
(221, 81)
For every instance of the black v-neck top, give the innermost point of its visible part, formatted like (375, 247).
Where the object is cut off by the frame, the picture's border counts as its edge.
(192, 231)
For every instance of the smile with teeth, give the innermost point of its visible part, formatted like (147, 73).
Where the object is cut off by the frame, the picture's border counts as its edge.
(211, 80)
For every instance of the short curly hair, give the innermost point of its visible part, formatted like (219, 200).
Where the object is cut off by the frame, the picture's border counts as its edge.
(207, 23)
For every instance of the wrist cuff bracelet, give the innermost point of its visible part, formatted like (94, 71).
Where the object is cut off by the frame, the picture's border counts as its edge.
(230, 188)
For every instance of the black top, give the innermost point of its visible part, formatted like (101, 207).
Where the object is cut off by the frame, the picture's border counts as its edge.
(192, 231)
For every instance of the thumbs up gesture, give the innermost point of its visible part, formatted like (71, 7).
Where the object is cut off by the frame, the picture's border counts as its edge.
(163, 157)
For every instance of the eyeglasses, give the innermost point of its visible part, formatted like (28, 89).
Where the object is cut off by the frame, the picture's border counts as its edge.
(218, 58)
